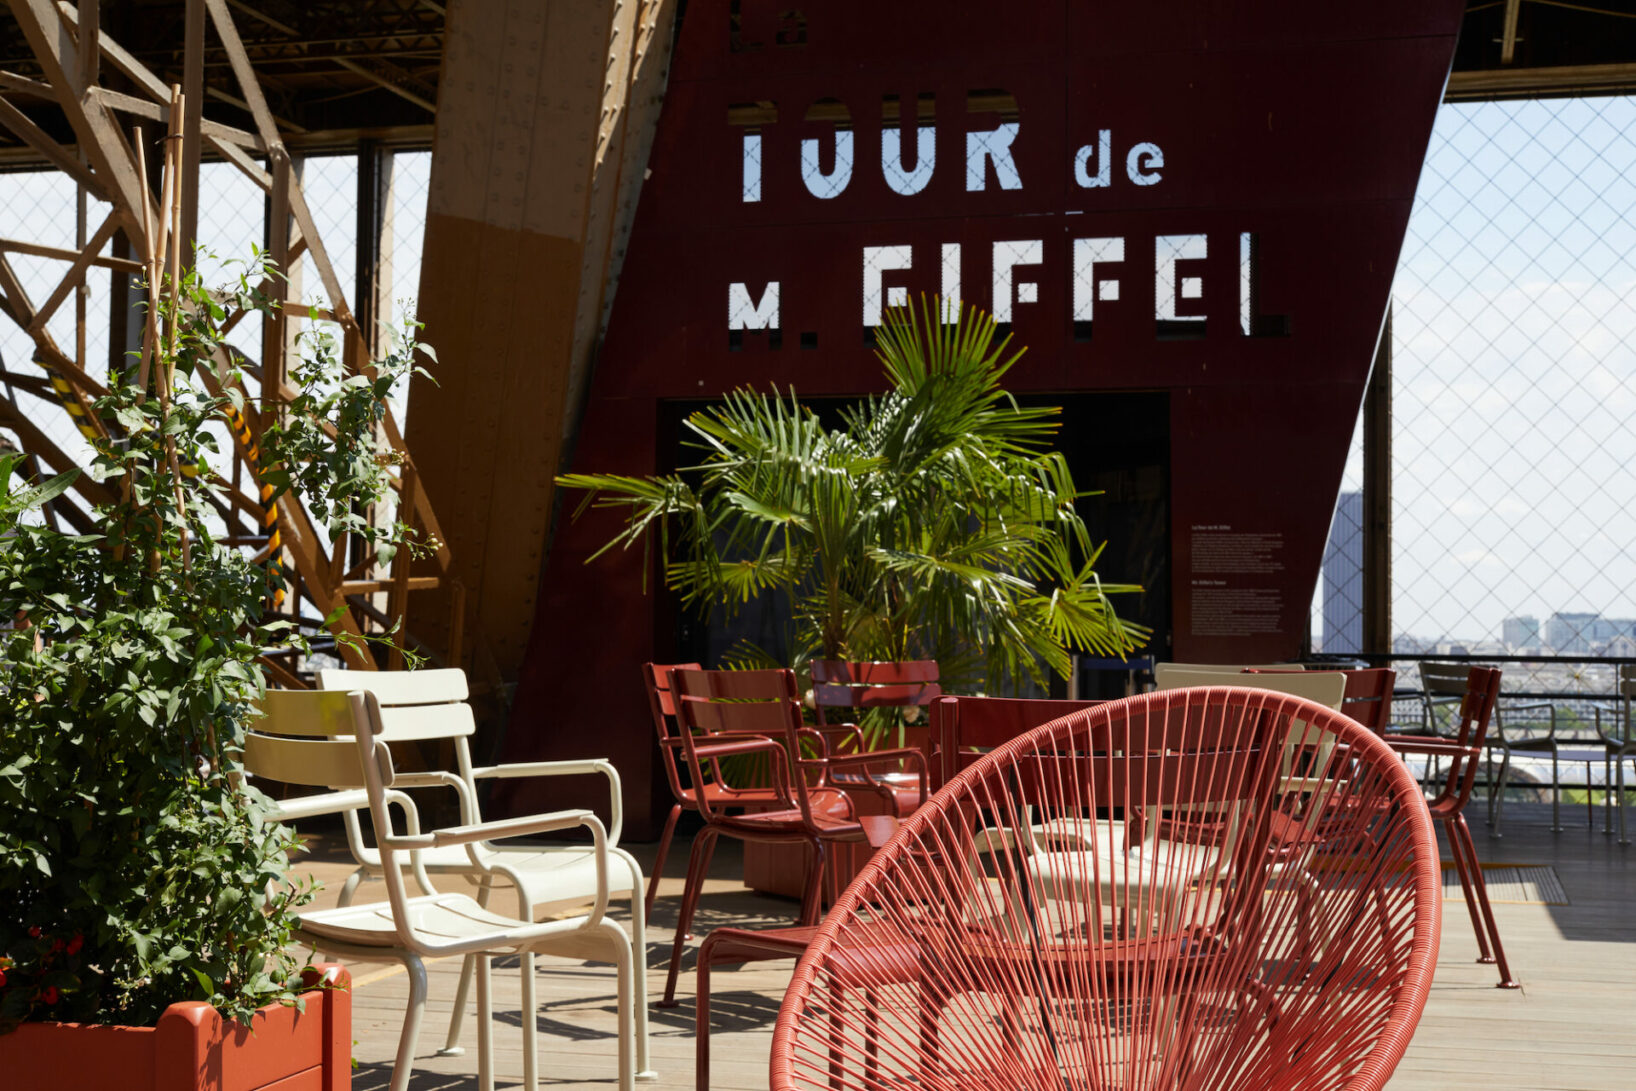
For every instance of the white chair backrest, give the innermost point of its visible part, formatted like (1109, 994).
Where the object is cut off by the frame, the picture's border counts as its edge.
(305, 738)
(1324, 687)
(1161, 671)
(414, 704)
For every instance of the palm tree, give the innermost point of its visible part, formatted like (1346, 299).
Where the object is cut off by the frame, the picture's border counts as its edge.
(935, 522)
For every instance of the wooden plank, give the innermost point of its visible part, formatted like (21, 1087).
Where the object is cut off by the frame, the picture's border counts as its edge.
(320, 257)
(99, 137)
(37, 443)
(18, 246)
(193, 47)
(249, 86)
(154, 111)
(76, 272)
(59, 157)
(247, 166)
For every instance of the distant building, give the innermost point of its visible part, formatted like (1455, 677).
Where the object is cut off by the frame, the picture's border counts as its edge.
(1623, 646)
(1520, 632)
(1343, 577)
(1571, 632)
(1405, 644)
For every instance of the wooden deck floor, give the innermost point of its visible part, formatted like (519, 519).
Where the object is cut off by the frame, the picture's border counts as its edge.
(1568, 1027)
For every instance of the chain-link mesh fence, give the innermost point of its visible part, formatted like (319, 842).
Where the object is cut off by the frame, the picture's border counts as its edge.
(1514, 377)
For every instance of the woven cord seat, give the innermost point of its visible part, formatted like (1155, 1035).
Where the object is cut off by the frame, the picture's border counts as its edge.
(1252, 959)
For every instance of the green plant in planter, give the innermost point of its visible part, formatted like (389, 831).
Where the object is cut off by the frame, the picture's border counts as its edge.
(934, 522)
(136, 869)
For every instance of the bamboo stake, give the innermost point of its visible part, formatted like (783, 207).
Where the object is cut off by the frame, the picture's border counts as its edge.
(173, 236)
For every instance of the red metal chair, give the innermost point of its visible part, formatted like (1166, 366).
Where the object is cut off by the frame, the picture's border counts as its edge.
(839, 684)
(656, 678)
(758, 714)
(1368, 697)
(966, 728)
(1211, 984)
(1463, 752)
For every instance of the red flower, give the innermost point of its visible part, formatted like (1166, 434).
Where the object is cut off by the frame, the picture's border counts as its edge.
(50, 994)
(34, 930)
(2, 977)
(75, 944)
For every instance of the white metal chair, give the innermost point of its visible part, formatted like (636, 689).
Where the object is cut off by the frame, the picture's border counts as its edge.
(431, 705)
(336, 740)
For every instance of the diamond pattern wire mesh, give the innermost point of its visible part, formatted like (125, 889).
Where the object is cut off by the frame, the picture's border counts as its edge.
(1515, 377)
(40, 207)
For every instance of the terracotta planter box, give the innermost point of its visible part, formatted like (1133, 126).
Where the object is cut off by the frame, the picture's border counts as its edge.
(192, 1048)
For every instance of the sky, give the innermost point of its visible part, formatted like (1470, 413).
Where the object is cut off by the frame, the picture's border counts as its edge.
(1514, 309)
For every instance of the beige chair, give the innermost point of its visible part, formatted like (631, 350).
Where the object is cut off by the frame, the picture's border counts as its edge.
(431, 705)
(1163, 670)
(336, 741)
(1327, 688)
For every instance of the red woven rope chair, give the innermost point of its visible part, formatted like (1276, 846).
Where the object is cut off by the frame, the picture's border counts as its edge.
(684, 790)
(1463, 752)
(1131, 963)
(963, 729)
(758, 714)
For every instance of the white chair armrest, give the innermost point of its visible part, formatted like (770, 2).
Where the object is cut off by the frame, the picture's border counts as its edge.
(515, 827)
(585, 767)
(472, 836)
(288, 810)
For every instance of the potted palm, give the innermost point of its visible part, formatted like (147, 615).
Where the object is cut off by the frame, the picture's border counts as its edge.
(934, 523)
(144, 903)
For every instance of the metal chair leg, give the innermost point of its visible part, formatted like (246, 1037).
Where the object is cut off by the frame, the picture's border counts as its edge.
(350, 887)
(659, 858)
(698, 864)
(462, 991)
(530, 1021)
(1556, 795)
(1499, 810)
(627, 970)
(812, 896)
(639, 969)
(1470, 873)
(404, 1066)
(1506, 980)
(485, 1026)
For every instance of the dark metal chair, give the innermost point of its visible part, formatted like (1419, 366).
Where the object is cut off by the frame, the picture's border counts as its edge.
(1463, 752)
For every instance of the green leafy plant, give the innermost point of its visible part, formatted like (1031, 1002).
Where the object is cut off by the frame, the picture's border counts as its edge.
(136, 867)
(934, 522)
(326, 444)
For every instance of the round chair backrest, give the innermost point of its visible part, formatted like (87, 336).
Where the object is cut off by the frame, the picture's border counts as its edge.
(1169, 890)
